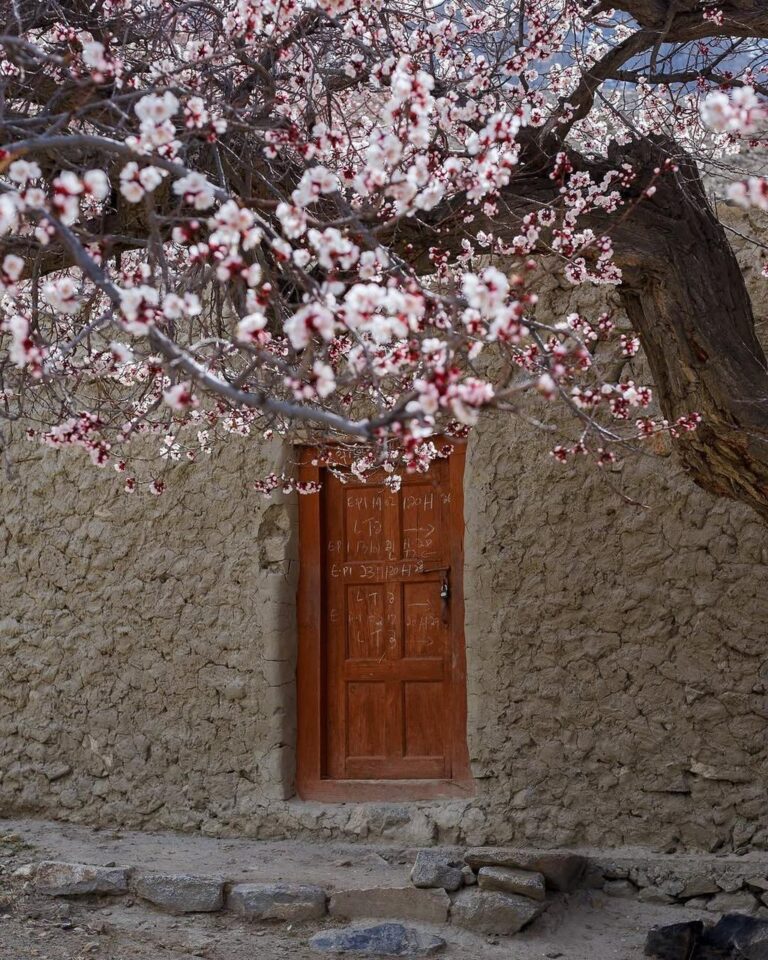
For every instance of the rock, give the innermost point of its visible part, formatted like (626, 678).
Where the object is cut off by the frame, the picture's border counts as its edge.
(562, 870)
(434, 869)
(698, 887)
(753, 945)
(57, 771)
(734, 936)
(179, 893)
(730, 883)
(390, 903)
(673, 886)
(381, 940)
(757, 883)
(494, 913)
(507, 880)
(58, 879)
(469, 876)
(698, 903)
(654, 895)
(593, 878)
(725, 937)
(676, 941)
(277, 901)
(741, 902)
(640, 878)
(619, 888)
(422, 829)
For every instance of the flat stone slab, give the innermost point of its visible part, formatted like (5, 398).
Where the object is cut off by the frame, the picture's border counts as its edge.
(496, 913)
(54, 878)
(381, 940)
(741, 902)
(277, 901)
(507, 880)
(562, 870)
(697, 887)
(180, 893)
(391, 903)
(436, 870)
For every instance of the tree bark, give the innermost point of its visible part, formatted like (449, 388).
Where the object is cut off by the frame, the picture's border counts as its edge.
(686, 297)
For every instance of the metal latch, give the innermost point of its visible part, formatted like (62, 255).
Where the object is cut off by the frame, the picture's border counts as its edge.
(445, 592)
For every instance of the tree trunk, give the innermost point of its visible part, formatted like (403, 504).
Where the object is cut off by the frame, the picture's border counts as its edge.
(686, 297)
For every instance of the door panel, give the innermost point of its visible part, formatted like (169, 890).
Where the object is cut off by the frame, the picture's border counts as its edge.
(426, 630)
(366, 705)
(389, 673)
(381, 667)
(424, 720)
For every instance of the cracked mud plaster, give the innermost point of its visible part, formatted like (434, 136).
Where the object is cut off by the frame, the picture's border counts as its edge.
(148, 644)
(617, 660)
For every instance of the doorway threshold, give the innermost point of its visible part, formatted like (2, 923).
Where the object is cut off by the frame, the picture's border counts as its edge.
(387, 791)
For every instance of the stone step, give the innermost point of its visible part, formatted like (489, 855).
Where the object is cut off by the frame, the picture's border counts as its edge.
(363, 881)
(391, 903)
(562, 870)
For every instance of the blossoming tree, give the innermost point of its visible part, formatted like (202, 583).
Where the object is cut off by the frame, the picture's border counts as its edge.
(330, 219)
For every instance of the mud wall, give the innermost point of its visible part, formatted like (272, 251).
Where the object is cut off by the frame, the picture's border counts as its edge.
(617, 688)
(617, 682)
(616, 646)
(146, 643)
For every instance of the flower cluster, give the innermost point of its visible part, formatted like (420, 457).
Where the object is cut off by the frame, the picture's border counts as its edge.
(330, 216)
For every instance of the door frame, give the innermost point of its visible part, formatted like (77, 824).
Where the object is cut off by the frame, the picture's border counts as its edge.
(311, 782)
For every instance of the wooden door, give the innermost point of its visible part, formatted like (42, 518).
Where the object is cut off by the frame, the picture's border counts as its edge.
(391, 703)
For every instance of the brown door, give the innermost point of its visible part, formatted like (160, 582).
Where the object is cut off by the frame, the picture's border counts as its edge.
(392, 697)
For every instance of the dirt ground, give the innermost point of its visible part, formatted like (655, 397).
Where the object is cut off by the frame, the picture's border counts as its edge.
(584, 926)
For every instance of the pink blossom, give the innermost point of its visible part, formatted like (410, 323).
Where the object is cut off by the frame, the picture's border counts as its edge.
(155, 108)
(96, 183)
(22, 171)
(250, 328)
(314, 183)
(312, 318)
(136, 181)
(195, 190)
(62, 295)
(23, 352)
(139, 308)
(325, 379)
(180, 396)
(11, 269)
(400, 185)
